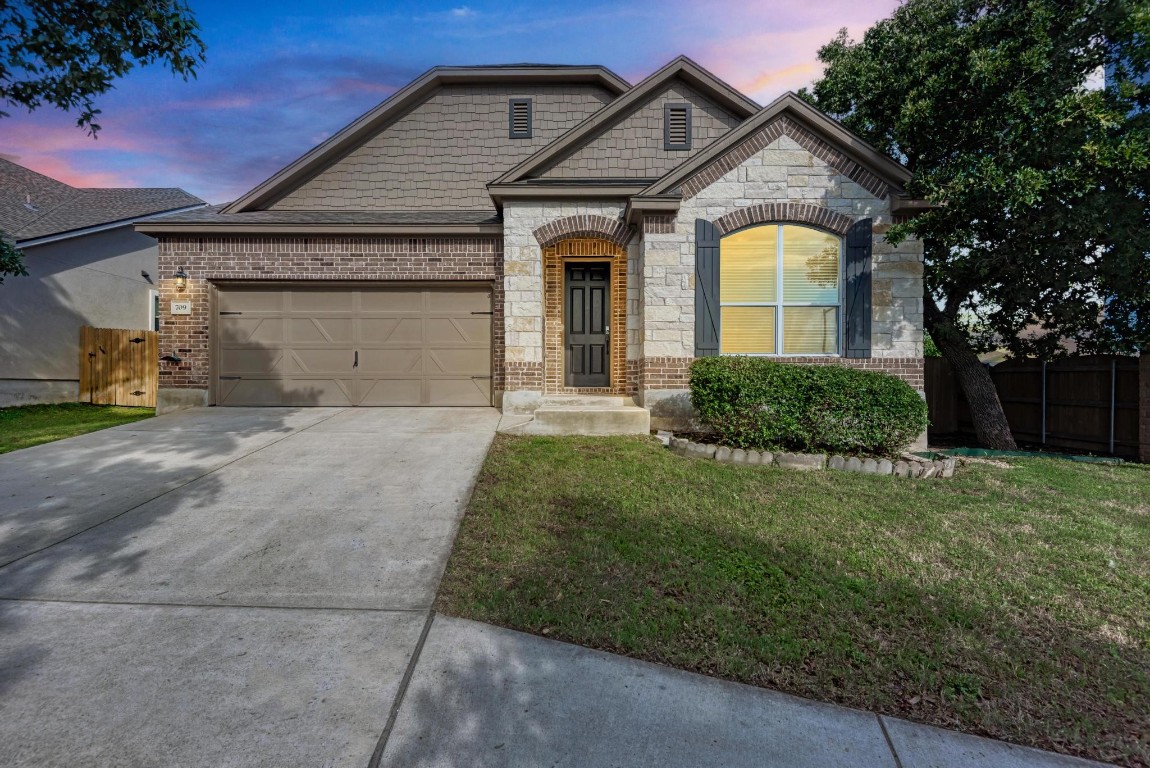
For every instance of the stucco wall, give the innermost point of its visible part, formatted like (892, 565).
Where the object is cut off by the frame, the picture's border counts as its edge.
(91, 280)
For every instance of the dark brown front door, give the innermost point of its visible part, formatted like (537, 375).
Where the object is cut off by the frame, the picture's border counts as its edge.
(587, 330)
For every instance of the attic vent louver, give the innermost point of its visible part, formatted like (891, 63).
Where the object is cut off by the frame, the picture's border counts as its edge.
(519, 119)
(676, 126)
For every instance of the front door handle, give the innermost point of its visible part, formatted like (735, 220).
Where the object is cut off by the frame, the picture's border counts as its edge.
(356, 363)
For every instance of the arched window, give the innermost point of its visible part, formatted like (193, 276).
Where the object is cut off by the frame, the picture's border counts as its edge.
(780, 291)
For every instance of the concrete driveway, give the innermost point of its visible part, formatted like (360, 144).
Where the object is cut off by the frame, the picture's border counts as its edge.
(224, 586)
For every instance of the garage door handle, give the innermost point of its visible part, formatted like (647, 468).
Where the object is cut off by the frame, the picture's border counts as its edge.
(483, 313)
(231, 313)
(356, 363)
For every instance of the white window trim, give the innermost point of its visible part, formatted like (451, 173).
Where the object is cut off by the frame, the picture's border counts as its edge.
(153, 310)
(779, 304)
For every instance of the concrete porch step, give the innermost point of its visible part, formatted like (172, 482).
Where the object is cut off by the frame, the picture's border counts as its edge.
(588, 401)
(586, 420)
(590, 420)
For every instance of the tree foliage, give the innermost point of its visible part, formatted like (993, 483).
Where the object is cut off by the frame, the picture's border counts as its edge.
(1041, 219)
(10, 261)
(1040, 183)
(64, 53)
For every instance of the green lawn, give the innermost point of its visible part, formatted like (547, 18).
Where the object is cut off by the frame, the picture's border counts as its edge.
(29, 425)
(1011, 601)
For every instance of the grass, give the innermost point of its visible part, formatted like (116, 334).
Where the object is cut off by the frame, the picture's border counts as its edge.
(28, 425)
(1010, 601)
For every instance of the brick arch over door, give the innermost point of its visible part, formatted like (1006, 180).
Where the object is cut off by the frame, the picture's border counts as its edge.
(784, 213)
(585, 226)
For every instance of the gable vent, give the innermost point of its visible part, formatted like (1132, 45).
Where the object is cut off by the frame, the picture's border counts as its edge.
(676, 126)
(519, 119)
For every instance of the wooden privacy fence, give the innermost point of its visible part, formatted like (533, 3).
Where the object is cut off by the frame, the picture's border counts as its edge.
(1087, 403)
(119, 367)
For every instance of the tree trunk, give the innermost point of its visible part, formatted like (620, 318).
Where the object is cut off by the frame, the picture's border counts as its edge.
(990, 425)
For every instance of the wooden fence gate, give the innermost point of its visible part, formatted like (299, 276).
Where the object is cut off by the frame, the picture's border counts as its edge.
(119, 367)
(1087, 403)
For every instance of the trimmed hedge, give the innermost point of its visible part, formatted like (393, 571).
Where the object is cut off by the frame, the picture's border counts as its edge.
(753, 402)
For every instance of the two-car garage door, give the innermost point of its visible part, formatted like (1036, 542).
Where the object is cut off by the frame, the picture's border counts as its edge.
(363, 345)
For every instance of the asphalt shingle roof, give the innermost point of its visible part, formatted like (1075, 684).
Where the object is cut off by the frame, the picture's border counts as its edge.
(212, 215)
(33, 205)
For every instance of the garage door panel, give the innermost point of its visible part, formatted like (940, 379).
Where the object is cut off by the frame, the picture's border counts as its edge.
(459, 300)
(391, 330)
(308, 300)
(379, 362)
(401, 300)
(391, 391)
(255, 300)
(416, 345)
(459, 391)
(251, 330)
(459, 330)
(251, 360)
(318, 391)
(323, 360)
(464, 362)
(331, 330)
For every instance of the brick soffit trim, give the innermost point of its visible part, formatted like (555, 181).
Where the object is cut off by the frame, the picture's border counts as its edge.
(769, 213)
(588, 225)
(764, 137)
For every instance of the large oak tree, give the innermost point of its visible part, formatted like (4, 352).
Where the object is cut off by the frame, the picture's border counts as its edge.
(1041, 219)
(65, 53)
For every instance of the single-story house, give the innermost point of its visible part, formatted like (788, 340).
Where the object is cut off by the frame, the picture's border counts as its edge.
(544, 239)
(86, 266)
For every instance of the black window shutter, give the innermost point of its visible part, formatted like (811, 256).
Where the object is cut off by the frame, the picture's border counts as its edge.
(706, 289)
(856, 278)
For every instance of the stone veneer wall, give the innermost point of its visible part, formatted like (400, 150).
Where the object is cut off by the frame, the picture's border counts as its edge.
(300, 258)
(523, 289)
(782, 171)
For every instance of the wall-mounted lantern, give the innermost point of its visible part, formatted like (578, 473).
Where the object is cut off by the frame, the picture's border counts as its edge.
(181, 279)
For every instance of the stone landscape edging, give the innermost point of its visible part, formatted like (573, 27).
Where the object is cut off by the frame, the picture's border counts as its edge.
(908, 465)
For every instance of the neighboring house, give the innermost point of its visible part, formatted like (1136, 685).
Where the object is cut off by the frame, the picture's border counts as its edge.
(523, 235)
(86, 266)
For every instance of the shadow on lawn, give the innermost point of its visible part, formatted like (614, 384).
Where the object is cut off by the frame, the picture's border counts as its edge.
(784, 615)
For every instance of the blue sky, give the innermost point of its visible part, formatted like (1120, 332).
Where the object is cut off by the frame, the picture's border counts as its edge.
(282, 76)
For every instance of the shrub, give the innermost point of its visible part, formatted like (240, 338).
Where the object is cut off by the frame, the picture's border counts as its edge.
(753, 402)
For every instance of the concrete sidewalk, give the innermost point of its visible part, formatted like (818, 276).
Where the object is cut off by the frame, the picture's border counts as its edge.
(484, 696)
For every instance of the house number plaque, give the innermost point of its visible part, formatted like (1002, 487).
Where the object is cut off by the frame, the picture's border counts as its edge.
(181, 307)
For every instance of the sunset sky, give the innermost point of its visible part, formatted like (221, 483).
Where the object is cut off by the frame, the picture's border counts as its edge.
(282, 76)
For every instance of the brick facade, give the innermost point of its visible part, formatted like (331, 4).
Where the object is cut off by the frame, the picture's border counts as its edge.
(325, 258)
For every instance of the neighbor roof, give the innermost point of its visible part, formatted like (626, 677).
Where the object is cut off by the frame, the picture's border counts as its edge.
(33, 206)
(396, 105)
